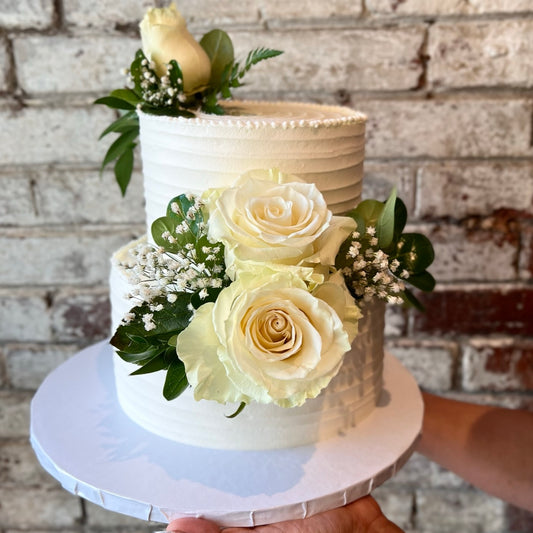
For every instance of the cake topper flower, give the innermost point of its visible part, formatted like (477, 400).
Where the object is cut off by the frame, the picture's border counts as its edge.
(223, 302)
(165, 37)
(172, 75)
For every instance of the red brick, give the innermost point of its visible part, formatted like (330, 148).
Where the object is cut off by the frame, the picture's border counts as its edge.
(476, 311)
(518, 520)
(498, 364)
(520, 357)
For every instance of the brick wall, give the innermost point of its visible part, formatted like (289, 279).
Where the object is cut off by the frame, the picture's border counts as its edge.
(447, 88)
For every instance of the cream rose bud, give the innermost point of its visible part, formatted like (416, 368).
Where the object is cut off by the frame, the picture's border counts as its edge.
(267, 339)
(165, 37)
(272, 218)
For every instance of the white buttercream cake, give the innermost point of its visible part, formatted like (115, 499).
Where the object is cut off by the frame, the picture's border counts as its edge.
(319, 144)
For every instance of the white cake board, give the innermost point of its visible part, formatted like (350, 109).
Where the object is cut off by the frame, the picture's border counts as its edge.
(83, 439)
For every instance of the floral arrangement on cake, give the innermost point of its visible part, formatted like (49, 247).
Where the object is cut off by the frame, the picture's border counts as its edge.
(250, 293)
(172, 75)
(253, 292)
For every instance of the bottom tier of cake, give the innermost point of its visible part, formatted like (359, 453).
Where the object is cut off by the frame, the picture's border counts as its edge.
(348, 399)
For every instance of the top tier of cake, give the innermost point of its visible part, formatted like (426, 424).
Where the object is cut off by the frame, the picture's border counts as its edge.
(320, 144)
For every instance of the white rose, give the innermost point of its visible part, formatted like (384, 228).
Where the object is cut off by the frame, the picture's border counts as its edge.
(267, 339)
(270, 218)
(165, 37)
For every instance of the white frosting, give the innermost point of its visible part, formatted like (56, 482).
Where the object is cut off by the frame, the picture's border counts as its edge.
(320, 144)
(347, 400)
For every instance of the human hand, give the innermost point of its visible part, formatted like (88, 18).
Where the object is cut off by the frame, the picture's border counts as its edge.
(361, 516)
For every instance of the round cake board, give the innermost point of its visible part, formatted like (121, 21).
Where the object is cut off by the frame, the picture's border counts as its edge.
(83, 439)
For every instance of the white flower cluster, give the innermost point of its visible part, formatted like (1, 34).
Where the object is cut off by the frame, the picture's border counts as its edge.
(370, 272)
(159, 91)
(155, 272)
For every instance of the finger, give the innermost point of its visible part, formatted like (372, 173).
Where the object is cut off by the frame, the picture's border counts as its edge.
(192, 525)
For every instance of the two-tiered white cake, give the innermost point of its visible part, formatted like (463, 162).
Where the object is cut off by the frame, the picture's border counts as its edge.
(319, 144)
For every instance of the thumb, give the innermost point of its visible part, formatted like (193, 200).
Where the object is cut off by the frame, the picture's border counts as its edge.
(192, 525)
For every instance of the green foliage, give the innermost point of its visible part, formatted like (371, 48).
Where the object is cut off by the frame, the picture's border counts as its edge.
(155, 350)
(219, 48)
(185, 222)
(239, 410)
(149, 337)
(413, 252)
(165, 95)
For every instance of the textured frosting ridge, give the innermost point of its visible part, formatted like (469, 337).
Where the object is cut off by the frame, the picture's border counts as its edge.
(320, 144)
(349, 398)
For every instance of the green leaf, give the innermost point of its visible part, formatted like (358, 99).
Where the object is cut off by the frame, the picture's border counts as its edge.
(400, 219)
(127, 95)
(176, 380)
(412, 301)
(175, 74)
(160, 226)
(369, 211)
(219, 48)
(124, 168)
(115, 103)
(121, 144)
(136, 70)
(385, 223)
(140, 358)
(128, 121)
(133, 338)
(257, 55)
(155, 364)
(238, 411)
(415, 252)
(423, 281)
(166, 111)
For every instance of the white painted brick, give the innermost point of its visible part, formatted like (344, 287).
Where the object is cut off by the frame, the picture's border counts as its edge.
(420, 472)
(475, 254)
(31, 508)
(356, 59)
(4, 66)
(26, 14)
(465, 511)
(43, 195)
(27, 366)
(461, 189)
(55, 257)
(279, 10)
(380, 178)
(19, 465)
(71, 196)
(81, 315)
(16, 204)
(105, 13)
(431, 365)
(446, 7)
(396, 505)
(488, 53)
(63, 135)
(478, 374)
(87, 64)
(395, 321)
(14, 414)
(24, 315)
(448, 128)
(223, 14)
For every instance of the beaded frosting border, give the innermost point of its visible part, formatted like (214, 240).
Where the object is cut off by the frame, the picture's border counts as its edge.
(346, 116)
